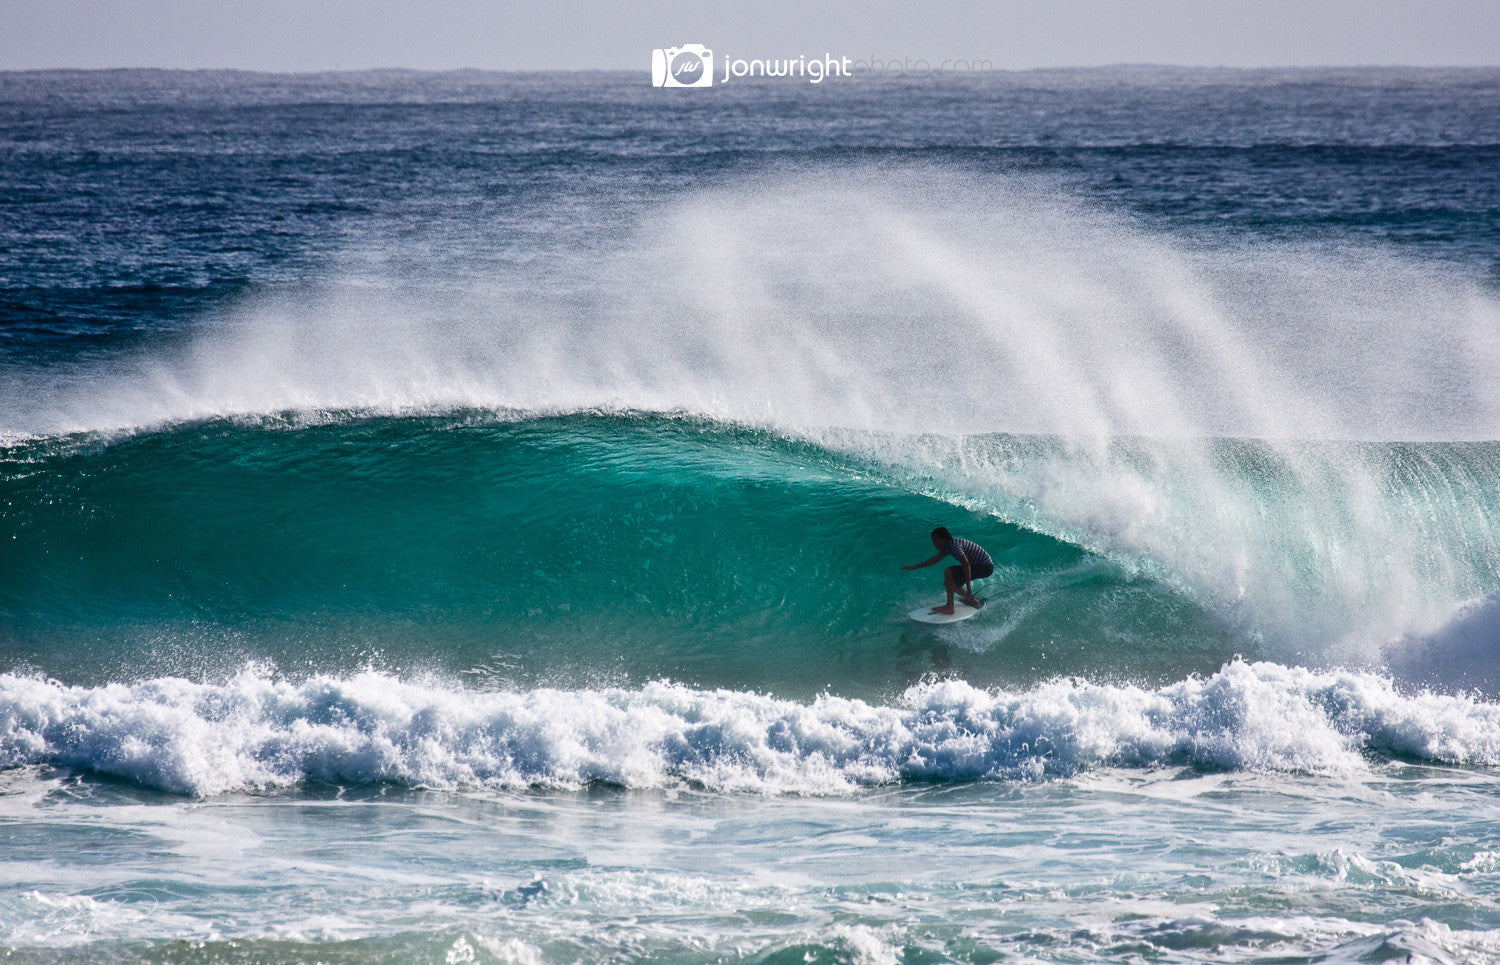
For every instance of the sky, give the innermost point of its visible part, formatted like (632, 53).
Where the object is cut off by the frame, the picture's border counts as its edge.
(305, 35)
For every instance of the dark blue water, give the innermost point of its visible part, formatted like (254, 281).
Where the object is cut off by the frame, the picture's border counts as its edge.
(136, 200)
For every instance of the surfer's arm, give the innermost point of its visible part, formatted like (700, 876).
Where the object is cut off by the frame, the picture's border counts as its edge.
(918, 566)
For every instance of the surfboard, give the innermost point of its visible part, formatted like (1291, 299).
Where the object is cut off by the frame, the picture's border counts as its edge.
(961, 611)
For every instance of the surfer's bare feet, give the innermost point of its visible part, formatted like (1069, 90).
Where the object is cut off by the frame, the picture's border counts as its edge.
(947, 608)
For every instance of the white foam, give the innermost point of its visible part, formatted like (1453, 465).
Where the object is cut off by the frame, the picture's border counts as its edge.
(260, 732)
(55, 920)
(869, 946)
(1427, 941)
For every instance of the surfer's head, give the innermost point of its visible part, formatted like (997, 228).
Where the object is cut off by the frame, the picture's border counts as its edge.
(941, 536)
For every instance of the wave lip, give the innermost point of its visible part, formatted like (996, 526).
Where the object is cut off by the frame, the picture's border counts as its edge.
(257, 733)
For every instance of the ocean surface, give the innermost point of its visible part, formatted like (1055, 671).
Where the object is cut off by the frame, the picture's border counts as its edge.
(460, 517)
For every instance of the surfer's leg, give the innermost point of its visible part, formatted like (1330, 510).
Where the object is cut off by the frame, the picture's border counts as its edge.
(951, 576)
(978, 573)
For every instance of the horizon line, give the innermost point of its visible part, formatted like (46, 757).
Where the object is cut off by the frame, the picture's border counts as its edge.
(1123, 65)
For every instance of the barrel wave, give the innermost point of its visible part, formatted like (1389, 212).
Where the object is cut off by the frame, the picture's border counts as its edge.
(570, 549)
(592, 548)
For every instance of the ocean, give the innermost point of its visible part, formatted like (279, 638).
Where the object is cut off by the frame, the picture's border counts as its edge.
(459, 517)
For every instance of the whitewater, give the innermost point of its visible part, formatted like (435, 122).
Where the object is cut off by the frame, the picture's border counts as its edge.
(460, 518)
(257, 733)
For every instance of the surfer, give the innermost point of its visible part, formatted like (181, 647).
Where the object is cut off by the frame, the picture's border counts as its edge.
(973, 564)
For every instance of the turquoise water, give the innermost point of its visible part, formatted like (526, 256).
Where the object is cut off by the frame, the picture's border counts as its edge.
(461, 517)
(424, 541)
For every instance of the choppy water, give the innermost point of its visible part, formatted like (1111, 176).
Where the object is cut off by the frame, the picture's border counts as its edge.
(460, 518)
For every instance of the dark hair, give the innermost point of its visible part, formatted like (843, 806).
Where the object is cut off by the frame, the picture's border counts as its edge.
(942, 533)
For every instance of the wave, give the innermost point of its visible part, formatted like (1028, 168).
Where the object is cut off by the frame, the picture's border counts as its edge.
(580, 548)
(1181, 450)
(588, 548)
(255, 732)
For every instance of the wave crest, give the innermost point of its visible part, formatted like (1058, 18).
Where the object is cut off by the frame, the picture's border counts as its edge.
(255, 732)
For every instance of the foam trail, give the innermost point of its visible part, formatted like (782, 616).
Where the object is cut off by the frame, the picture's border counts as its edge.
(259, 732)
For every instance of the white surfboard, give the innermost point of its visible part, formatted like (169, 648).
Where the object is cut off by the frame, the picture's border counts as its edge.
(961, 611)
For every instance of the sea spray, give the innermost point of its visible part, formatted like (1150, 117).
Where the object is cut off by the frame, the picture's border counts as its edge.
(807, 297)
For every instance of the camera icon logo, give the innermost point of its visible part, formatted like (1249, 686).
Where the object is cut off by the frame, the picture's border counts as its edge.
(691, 65)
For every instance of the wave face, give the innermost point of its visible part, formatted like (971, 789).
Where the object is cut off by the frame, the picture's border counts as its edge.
(604, 548)
(582, 547)
(255, 733)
